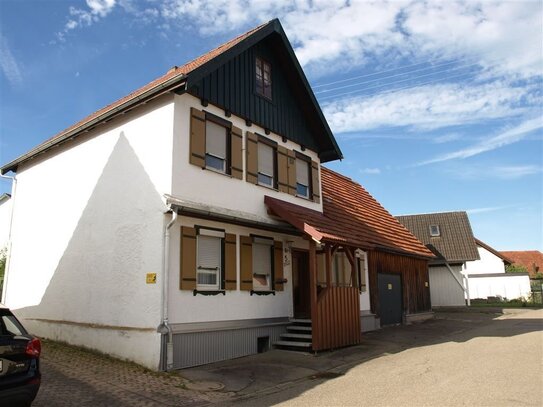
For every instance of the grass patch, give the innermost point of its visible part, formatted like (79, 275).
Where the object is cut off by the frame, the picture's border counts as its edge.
(498, 302)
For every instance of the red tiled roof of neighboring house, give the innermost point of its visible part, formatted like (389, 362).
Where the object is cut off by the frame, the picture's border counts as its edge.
(175, 72)
(493, 251)
(350, 216)
(531, 259)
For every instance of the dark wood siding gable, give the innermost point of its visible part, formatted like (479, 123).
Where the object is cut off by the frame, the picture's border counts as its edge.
(232, 87)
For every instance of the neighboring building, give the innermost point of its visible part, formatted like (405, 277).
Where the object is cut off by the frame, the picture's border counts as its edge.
(198, 205)
(532, 260)
(449, 236)
(487, 276)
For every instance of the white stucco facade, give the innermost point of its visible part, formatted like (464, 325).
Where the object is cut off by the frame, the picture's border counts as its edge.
(488, 263)
(87, 226)
(5, 218)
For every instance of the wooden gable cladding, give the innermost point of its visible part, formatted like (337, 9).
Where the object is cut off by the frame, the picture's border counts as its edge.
(187, 278)
(252, 158)
(278, 266)
(197, 137)
(246, 263)
(230, 275)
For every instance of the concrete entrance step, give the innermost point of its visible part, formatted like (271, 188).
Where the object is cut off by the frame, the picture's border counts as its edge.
(299, 328)
(300, 321)
(293, 344)
(297, 336)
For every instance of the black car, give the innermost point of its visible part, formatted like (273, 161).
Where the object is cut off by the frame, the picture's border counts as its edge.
(19, 362)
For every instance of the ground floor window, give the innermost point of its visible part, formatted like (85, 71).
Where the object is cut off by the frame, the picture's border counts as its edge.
(210, 255)
(262, 263)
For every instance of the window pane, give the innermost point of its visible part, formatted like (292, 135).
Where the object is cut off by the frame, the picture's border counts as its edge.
(302, 172)
(302, 190)
(216, 163)
(265, 180)
(265, 159)
(12, 326)
(215, 139)
(262, 266)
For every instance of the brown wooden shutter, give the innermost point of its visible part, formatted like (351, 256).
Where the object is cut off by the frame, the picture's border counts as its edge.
(252, 158)
(282, 168)
(236, 153)
(197, 137)
(291, 172)
(246, 263)
(278, 265)
(315, 184)
(230, 280)
(187, 278)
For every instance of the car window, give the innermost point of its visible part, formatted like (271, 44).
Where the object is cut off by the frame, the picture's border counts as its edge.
(10, 326)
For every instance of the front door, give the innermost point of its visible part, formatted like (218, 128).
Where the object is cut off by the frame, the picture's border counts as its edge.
(390, 298)
(300, 277)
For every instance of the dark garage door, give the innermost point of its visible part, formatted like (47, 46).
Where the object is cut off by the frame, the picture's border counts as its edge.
(390, 298)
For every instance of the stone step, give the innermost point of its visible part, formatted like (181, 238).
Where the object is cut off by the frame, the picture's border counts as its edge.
(293, 344)
(297, 336)
(300, 321)
(299, 328)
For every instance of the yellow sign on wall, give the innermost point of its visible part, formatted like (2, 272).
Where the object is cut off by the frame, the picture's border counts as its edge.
(151, 278)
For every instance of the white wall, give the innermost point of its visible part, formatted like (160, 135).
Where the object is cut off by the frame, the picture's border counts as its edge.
(508, 286)
(184, 307)
(488, 263)
(194, 184)
(365, 295)
(5, 216)
(88, 226)
(444, 290)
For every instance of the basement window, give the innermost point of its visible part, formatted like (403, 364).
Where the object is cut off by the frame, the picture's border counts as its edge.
(434, 231)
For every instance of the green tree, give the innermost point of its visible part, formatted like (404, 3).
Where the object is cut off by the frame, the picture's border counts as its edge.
(516, 268)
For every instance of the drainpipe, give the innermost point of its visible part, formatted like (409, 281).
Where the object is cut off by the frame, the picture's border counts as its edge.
(4, 291)
(164, 327)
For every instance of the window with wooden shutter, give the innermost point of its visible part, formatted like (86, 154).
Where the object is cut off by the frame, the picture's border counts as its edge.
(216, 146)
(209, 259)
(230, 277)
(252, 158)
(315, 184)
(246, 263)
(278, 266)
(187, 279)
(236, 153)
(302, 178)
(197, 137)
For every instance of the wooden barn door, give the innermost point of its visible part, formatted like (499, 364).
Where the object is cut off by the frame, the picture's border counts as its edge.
(390, 298)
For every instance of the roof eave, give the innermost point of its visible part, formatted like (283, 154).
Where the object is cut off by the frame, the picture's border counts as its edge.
(151, 93)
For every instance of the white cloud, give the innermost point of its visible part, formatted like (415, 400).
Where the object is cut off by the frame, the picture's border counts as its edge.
(371, 171)
(8, 63)
(486, 209)
(427, 107)
(504, 172)
(507, 137)
(97, 9)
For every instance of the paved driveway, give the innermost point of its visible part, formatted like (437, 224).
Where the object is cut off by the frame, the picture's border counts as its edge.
(457, 359)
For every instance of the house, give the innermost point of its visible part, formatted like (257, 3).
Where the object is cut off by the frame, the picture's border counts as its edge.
(487, 277)
(532, 260)
(465, 268)
(449, 236)
(191, 221)
(5, 219)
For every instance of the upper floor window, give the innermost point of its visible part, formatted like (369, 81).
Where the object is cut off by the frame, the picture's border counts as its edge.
(303, 171)
(216, 156)
(266, 164)
(434, 230)
(263, 78)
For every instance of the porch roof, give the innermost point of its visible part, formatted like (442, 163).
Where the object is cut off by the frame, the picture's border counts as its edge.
(351, 217)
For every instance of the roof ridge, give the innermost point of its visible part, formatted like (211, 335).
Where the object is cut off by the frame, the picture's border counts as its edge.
(432, 213)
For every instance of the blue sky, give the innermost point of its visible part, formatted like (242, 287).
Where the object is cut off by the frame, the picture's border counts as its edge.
(437, 106)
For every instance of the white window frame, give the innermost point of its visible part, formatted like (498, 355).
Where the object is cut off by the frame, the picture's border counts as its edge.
(218, 271)
(262, 241)
(437, 231)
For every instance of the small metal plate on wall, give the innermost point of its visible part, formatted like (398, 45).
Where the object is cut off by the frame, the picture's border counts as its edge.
(150, 278)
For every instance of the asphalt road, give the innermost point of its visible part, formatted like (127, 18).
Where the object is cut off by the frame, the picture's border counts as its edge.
(491, 363)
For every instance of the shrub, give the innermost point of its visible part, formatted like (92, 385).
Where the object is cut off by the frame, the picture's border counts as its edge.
(516, 268)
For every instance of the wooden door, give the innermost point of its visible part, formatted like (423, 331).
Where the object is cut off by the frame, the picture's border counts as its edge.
(300, 276)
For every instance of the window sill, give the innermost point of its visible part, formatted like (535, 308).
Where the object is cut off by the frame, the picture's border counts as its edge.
(262, 292)
(208, 292)
(217, 171)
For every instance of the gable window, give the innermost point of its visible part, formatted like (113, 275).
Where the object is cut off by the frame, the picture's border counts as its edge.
(209, 259)
(303, 171)
(434, 231)
(216, 146)
(262, 263)
(266, 164)
(263, 78)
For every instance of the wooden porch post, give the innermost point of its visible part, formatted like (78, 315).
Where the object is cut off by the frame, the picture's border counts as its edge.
(313, 291)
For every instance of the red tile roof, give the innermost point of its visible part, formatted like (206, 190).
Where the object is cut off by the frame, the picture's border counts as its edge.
(350, 216)
(531, 259)
(179, 72)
